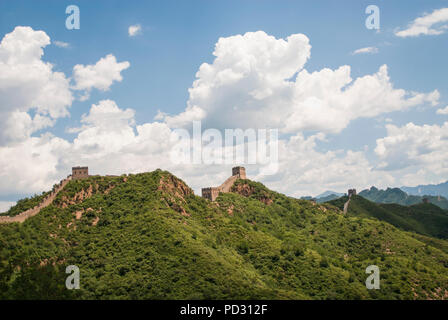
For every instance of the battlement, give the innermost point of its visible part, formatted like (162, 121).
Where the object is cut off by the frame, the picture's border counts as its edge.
(240, 172)
(211, 193)
(80, 172)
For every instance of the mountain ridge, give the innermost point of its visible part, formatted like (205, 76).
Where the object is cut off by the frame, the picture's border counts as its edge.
(440, 189)
(398, 196)
(424, 218)
(147, 236)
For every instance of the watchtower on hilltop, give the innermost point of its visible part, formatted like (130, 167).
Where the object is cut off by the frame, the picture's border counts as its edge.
(240, 172)
(80, 173)
(351, 192)
(211, 193)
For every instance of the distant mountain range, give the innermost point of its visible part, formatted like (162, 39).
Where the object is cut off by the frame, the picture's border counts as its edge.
(430, 189)
(423, 218)
(398, 196)
(329, 197)
(329, 193)
(406, 196)
(325, 196)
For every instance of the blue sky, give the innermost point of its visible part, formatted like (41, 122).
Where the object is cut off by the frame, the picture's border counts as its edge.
(178, 36)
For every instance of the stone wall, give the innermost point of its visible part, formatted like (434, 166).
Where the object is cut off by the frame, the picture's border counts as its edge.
(225, 187)
(21, 217)
(212, 193)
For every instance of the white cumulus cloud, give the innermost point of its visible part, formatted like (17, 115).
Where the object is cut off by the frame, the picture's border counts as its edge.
(255, 81)
(258, 81)
(434, 23)
(28, 83)
(418, 153)
(443, 111)
(134, 30)
(100, 75)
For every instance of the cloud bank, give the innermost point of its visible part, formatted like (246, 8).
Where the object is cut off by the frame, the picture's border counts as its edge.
(254, 81)
(257, 80)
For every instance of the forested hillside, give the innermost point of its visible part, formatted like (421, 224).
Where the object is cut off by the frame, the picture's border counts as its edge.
(147, 236)
(423, 218)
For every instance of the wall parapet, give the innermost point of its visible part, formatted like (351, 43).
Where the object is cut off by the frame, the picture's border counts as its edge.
(46, 201)
(211, 193)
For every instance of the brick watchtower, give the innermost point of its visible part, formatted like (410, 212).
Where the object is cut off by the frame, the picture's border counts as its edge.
(80, 172)
(239, 171)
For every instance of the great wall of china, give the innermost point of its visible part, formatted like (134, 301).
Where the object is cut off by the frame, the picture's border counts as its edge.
(351, 192)
(21, 217)
(77, 173)
(211, 193)
(83, 172)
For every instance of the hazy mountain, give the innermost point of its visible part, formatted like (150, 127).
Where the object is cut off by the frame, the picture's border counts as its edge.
(423, 218)
(324, 197)
(329, 193)
(398, 196)
(328, 198)
(430, 189)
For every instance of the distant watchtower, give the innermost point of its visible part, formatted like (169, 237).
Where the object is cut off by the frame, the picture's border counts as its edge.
(351, 192)
(80, 172)
(239, 171)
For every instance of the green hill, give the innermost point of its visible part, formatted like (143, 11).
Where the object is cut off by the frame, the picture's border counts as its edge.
(423, 218)
(147, 236)
(398, 196)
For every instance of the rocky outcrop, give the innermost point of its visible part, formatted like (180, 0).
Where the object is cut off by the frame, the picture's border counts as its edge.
(174, 186)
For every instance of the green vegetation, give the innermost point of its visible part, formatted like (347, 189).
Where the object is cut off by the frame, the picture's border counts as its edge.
(25, 204)
(396, 195)
(423, 218)
(147, 236)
